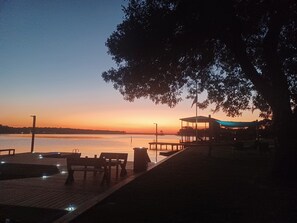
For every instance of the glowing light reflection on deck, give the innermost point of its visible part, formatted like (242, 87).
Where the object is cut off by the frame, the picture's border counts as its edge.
(71, 207)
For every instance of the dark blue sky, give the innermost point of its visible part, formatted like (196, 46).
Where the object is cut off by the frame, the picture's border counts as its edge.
(52, 54)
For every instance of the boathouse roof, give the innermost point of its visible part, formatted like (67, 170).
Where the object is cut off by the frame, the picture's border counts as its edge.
(220, 122)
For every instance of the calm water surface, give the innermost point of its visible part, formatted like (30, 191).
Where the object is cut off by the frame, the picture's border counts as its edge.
(88, 145)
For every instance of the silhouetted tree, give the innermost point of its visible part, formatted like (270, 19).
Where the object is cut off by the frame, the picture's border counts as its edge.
(243, 53)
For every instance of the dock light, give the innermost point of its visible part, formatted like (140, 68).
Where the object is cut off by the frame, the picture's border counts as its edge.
(40, 156)
(71, 207)
(44, 177)
(58, 164)
(63, 172)
(2, 162)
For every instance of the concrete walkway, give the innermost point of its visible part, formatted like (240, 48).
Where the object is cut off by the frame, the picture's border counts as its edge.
(193, 187)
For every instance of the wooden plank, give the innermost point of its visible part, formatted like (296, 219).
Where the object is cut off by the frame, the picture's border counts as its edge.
(51, 192)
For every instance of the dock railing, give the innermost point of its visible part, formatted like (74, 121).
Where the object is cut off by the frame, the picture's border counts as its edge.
(164, 146)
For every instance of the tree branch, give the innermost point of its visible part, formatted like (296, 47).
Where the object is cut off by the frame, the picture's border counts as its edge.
(274, 71)
(238, 47)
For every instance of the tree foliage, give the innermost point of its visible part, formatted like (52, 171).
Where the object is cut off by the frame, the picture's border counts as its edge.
(243, 53)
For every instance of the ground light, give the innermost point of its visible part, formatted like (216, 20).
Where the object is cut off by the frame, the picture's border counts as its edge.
(71, 207)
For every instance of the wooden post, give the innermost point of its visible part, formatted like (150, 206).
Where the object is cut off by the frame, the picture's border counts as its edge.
(156, 140)
(211, 128)
(33, 133)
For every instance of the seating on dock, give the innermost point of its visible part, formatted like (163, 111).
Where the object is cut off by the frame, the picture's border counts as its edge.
(86, 165)
(117, 160)
(102, 164)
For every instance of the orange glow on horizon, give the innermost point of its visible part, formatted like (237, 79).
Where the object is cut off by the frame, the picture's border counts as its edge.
(130, 122)
(136, 117)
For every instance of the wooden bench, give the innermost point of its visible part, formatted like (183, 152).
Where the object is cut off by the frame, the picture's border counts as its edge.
(86, 165)
(10, 151)
(117, 160)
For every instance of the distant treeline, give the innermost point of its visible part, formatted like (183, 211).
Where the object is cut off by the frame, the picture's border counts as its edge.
(49, 130)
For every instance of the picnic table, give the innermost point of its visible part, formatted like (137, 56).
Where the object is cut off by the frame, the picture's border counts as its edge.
(85, 165)
(96, 165)
(117, 160)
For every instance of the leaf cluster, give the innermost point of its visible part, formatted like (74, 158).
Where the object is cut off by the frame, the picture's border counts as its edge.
(229, 49)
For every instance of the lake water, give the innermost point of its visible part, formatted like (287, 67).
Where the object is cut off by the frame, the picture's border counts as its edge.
(87, 145)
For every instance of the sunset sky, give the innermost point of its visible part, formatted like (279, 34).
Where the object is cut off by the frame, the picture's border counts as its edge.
(52, 54)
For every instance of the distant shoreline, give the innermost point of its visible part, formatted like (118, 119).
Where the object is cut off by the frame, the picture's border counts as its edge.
(54, 130)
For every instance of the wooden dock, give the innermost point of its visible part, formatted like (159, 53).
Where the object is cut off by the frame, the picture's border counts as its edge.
(165, 145)
(50, 192)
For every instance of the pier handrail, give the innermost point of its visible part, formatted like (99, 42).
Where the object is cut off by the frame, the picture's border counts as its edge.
(171, 144)
(10, 151)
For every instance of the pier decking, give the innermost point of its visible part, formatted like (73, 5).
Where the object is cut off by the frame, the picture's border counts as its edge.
(50, 192)
(165, 145)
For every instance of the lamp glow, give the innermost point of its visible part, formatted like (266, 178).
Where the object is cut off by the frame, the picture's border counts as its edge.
(71, 207)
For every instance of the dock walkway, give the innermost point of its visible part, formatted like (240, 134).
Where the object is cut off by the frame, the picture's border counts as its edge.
(50, 192)
(165, 145)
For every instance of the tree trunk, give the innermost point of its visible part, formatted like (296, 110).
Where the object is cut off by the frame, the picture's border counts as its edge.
(285, 165)
(272, 85)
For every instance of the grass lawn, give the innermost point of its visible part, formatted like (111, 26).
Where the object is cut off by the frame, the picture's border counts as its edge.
(229, 186)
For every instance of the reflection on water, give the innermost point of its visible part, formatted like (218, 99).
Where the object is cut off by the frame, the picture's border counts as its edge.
(87, 144)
